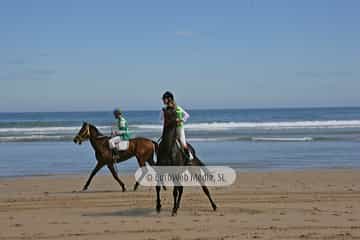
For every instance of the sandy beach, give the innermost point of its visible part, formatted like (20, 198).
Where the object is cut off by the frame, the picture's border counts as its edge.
(317, 204)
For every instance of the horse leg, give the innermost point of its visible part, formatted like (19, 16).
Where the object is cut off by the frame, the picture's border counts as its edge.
(175, 194)
(144, 171)
(207, 193)
(161, 181)
(180, 189)
(204, 187)
(136, 185)
(151, 162)
(115, 175)
(93, 173)
(141, 163)
(158, 201)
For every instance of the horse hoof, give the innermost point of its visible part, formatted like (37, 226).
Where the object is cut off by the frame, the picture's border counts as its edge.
(123, 189)
(158, 208)
(214, 207)
(174, 212)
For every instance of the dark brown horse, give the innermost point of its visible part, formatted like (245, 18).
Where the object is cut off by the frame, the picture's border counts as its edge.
(143, 149)
(170, 154)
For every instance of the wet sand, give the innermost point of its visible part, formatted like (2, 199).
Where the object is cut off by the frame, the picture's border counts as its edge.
(319, 204)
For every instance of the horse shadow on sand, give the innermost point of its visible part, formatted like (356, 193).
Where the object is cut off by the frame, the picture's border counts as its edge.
(133, 212)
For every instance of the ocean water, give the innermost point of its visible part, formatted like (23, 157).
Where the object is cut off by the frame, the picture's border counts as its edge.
(246, 139)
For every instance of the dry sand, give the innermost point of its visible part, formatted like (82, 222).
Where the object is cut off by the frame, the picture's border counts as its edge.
(320, 204)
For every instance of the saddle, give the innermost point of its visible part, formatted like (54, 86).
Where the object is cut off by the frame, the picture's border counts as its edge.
(118, 144)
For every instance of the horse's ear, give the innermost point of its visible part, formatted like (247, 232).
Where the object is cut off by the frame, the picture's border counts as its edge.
(84, 123)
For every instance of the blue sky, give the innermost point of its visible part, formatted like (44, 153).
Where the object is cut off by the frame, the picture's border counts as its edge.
(97, 55)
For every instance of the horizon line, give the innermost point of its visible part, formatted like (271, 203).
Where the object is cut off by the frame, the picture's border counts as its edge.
(189, 109)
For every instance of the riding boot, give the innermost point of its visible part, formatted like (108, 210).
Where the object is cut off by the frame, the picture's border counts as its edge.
(189, 157)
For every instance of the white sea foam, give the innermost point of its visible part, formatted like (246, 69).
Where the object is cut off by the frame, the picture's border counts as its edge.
(264, 125)
(31, 138)
(214, 126)
(283, 139)
(216, 139)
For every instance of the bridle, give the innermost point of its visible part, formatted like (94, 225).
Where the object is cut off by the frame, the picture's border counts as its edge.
(85, 134)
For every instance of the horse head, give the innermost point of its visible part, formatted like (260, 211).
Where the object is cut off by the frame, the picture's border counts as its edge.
(169, 129)
(83, 134)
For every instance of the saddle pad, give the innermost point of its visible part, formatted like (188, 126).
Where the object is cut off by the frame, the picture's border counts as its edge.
(119, 144)
(113, 142)
(122, 146)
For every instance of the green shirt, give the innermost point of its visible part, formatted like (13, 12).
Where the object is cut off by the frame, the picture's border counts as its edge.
(182, 115)
(123, 129)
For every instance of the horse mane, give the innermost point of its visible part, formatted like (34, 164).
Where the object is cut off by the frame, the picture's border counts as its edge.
(96, 131)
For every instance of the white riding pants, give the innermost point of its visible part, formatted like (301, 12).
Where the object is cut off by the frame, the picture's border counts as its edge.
(180, 131)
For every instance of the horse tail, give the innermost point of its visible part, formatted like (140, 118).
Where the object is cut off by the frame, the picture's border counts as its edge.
(201, 163)
(191, 149)
(155, 152)
(196, 160)
(156, 147)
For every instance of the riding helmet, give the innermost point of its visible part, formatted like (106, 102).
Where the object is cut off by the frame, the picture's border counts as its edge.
(168, 95)
(117, 111)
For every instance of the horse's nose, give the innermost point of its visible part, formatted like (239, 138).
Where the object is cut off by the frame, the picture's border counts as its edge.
(75, 140)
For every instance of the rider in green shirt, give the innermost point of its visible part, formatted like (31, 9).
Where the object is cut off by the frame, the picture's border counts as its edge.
(119, 133)
(122, 129)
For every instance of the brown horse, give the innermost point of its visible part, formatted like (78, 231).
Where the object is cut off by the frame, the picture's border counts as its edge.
(143, 149)
(170, 154)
